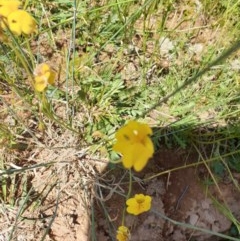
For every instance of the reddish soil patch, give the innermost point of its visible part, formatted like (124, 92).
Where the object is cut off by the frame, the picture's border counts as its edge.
(179, 195)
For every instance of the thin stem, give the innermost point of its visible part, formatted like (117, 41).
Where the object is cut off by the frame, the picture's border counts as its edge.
(130, 185)
(128, 195)
(216, 158)
(189, 226)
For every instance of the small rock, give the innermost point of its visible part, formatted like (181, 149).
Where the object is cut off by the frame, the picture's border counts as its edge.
(206, 204)
(166, 45)
(196, 48)
(193, 218)
(235, 64)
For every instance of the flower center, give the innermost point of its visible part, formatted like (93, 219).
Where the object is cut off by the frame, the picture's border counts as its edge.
(140, 200)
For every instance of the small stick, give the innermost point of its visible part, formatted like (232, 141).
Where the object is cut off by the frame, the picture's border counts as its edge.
(181, 197)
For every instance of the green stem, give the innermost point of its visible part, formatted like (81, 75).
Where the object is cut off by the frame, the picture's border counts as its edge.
(130, 185)
(128, 195)
(189, 226)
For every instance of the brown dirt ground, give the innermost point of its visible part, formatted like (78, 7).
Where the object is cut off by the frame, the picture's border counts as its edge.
(70, 199)
(179, 195)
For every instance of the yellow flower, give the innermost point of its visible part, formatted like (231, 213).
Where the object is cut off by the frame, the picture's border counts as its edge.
(44, 75)
(123, 233)
(138, 204)
(134, 144)
(20, 22)
(7, 7)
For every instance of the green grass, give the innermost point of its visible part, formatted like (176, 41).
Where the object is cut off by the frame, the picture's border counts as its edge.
(112, 67)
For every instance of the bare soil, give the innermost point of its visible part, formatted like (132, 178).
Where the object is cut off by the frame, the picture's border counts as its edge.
(179, 195)
(74, 200)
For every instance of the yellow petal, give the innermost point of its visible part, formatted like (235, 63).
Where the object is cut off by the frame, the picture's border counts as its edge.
(20, 22)
(134, 144)
(128, 156)
(40, 84)
(7, 7)
(123, 133)
(146, 206)
(30, 26)
(147, 142)
(134, 206)
(133, 210)
(134, 131)
(39, 87)
(138, 204)
(52, 77)
(44, 68)
(141, 156)
(139, 197)
(123, 233)
(144, 201)
(142, 128)
(44, 75)
(16, 29)
(41, 69)
(131, 201)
